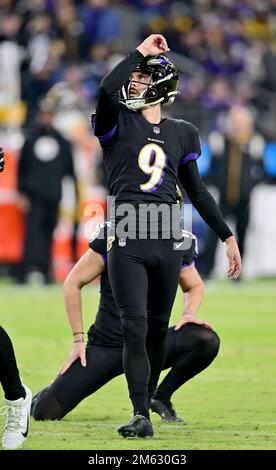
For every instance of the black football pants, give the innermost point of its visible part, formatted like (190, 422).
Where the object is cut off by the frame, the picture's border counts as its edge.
(144, 278)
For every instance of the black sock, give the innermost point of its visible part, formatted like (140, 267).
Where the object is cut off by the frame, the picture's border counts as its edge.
(136, 363)
(142, 413)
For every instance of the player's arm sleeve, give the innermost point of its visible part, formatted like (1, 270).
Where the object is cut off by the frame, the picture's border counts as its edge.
(202, 199)
(191, 145)
(105, 119)
(190, 254)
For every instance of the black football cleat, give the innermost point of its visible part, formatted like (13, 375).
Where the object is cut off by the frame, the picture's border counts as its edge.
(165, 411)
(139, 426)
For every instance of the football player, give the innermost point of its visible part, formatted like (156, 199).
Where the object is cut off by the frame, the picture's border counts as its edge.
(143, 155)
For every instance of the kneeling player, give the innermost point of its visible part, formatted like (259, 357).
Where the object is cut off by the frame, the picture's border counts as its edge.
(191, 347)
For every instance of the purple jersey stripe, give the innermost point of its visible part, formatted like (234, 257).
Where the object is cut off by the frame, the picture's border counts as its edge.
(188, 158)
(104, 259)
(103, 138)
(186, 265)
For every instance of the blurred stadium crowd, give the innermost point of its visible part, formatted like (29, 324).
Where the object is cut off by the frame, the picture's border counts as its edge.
(225, 51)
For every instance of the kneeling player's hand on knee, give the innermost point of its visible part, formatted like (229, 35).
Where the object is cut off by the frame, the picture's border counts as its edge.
(191, 319)
(77, 352)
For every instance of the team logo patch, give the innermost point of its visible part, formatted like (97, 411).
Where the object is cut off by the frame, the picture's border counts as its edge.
(122, 242)
(156, 130)
(110, 241)
(95, 233)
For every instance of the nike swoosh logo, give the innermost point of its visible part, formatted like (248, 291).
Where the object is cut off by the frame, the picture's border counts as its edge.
(178, 245)
(25, 434)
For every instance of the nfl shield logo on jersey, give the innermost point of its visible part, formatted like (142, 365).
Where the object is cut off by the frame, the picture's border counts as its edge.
(156, 130)
(122, 242)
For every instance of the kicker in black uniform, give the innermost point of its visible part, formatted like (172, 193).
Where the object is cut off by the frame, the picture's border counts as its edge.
(144, 154)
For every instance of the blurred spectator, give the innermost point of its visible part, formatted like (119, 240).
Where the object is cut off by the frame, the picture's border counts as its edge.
(218, 99)
(220, 55)
(70, 29)
(101, 22)
(11, 55)
(269, 67)
(97, 68)
(236, 167)
(45, 159)
(41, 61)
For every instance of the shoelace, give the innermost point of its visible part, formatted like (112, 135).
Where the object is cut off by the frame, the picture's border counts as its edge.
(13, 418)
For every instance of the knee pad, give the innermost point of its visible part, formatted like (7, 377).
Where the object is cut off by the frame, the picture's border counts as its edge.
(134, 329)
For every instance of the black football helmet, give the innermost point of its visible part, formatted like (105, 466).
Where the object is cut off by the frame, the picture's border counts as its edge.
(162, 87)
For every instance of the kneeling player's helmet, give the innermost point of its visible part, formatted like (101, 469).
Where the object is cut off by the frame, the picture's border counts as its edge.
(162, 87)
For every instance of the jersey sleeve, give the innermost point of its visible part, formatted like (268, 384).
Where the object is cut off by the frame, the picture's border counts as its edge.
(190, 252)
(191, 144)
(98, 240)
(106, 136)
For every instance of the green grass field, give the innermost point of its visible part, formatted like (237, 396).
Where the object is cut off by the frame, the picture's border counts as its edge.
(231, 405)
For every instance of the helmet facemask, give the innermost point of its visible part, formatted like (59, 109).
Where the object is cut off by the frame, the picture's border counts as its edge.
(161, 88)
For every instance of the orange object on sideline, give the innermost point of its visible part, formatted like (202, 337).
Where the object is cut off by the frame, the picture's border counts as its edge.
(62, 250)
(12, 234)
(12, 221)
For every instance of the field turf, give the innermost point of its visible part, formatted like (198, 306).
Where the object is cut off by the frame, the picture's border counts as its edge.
(231, 405)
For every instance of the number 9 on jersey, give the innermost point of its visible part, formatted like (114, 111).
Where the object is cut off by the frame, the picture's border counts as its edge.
(152, 160)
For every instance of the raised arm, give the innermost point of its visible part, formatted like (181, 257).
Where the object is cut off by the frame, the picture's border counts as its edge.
(107, 110)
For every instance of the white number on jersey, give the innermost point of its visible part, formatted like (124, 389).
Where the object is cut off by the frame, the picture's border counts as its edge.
(152, 160)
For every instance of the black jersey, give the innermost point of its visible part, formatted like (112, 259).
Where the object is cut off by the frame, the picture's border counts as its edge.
(106, 331)
(142, 159)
